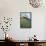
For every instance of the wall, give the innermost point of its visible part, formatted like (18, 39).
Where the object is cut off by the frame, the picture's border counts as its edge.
(12, 8)
(45, 28)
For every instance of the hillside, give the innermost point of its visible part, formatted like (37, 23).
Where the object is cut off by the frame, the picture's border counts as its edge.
(25, 22)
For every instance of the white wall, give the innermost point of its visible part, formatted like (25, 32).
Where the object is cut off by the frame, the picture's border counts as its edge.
(45, 28)
(12, 8)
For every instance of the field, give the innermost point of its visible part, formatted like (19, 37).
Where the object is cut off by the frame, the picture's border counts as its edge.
(25, 22)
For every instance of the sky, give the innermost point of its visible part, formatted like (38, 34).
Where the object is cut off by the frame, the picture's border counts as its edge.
(28, 14)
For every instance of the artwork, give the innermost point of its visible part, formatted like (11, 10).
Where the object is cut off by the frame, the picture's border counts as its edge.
(25, 19)
(5, 25)
(36, 3)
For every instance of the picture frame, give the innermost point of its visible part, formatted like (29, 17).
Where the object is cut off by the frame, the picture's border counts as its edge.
(25, 19)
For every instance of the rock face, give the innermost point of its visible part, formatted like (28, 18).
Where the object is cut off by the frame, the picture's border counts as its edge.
(35, 3)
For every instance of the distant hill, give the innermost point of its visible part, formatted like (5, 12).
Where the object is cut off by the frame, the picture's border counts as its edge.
(26, 16)
(25, 22)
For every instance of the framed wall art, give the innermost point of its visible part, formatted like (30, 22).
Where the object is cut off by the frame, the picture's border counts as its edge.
(25, 19)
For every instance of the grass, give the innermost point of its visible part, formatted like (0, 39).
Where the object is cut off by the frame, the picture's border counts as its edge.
(25, 22)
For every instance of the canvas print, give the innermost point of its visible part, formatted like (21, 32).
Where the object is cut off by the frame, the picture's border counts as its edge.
(25, 19)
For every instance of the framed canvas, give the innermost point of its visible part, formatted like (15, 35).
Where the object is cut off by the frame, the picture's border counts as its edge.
(25, 19)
